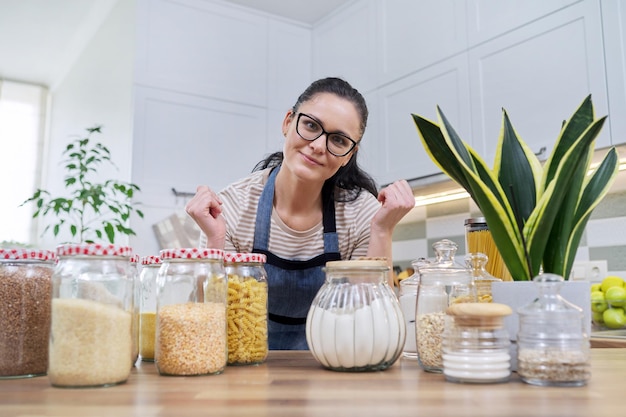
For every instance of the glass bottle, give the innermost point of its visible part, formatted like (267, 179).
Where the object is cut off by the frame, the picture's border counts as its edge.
(407, 297)
(247, 308)
(553, 346)
(134, 269)
(91, 337)
(25, 295)
(442, 283)
(476, 344)
(148, 306)
(355, 322)
(481, 279)
(191, 312)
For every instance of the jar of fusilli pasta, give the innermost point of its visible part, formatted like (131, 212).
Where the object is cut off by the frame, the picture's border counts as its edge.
(247, 308)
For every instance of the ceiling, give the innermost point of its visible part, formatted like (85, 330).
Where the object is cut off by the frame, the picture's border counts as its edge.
(40, 39)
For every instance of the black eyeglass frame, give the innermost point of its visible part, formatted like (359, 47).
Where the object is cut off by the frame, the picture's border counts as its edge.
(324, 132)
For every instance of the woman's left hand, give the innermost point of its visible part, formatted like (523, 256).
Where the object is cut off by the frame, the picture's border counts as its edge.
(397, 200)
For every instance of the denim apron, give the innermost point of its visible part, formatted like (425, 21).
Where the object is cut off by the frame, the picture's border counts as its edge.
(292, 284)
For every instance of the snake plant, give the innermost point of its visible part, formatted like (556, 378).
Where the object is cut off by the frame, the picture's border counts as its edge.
(536, 212)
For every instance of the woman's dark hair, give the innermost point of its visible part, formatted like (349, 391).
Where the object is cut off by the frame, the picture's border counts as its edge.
(350, 178)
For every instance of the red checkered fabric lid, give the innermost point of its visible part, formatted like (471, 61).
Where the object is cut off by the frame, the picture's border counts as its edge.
(94, 249)
(30, 254)
(234, 257)
(191, 253)
(150, 260)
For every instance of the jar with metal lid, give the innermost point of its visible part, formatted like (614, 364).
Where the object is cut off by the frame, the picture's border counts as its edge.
(476, 344)
(355, 322)
(407, 297)
(442, 283)
(191, 312)
(247, 308)
(553, 347)
(91, 337)
(25, 295)
(148, 306)
(482, 280)
(134, 269)
(478, 239)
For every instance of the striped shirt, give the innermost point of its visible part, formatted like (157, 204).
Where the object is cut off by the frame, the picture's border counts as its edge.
(240, 201)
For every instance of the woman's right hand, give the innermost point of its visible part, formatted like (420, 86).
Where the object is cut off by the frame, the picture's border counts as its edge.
(205, 208)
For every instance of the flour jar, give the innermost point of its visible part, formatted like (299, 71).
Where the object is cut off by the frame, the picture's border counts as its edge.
(191, 312)
(25, 295)
(91, 338)
(247, 308)
(148, 306)
(355, 322)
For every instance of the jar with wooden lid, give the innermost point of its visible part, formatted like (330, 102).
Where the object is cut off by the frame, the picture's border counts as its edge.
(91, 338)
(475, 345)
(247, 308)
(25, 296)
(148, 306)
(191, 312)
(355, 322)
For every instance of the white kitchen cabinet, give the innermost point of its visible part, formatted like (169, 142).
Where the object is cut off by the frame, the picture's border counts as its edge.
(539, 73)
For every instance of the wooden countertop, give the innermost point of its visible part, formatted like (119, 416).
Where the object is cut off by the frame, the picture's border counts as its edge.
(291, 383)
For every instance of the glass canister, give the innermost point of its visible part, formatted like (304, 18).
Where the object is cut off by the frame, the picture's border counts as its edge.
(25, 295)
(407, 297)
(442, 283)
(92, 307)
(134, 268)
(553, 346)
(478, 239)
(148, 306)
(476, 344)
(191, 312)
(482, 280)
(247, 308)
(355, 322)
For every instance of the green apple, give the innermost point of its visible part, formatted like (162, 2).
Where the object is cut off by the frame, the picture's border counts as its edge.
(596, 287)
(597, 317)
(614, 318)
(611, 281)
(598, 303)
(615, 296)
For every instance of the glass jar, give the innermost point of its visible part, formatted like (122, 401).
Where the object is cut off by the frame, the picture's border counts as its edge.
(407, 297)
(481, 279)
(553, 346)
(25, 295)
(148, 306)
(191, 312)
(442, 283)
(247, 308)
(134, 268)
(478, 239)
(355, 322)
(476, 344)
(92, 307)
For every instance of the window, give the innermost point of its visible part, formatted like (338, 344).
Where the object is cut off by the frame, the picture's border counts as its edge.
(22, 123)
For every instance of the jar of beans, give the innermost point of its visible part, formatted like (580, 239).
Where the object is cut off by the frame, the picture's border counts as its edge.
(91, 338)
(247, 308)
(191, 312)
(25, 294)
(147, 306)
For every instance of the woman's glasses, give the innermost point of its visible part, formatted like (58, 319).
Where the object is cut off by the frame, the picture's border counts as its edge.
(310, 129)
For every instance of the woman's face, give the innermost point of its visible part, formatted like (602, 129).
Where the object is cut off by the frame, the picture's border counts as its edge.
(310, 160)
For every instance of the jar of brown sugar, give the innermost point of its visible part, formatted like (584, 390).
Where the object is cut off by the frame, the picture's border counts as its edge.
(25, 294)
(147, 306)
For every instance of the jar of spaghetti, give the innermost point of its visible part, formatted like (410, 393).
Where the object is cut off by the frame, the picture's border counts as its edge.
(91, 337)
(247, 308)
(148, 306)
(478, 239)
(25, 294)
(191, 312)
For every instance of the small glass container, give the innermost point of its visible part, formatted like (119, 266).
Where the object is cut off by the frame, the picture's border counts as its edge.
(247, 308)
(191, 312)
(25, 295)
(355, 322)
(478, 239)
(476, 344)
(134, 268)
(407, 297)
(553, 346)
(148, 306)
(91, 337)
(482, 279)
(442, 283)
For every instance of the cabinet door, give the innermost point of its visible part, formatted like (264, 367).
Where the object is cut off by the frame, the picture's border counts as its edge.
(540, 74)
(402, 154)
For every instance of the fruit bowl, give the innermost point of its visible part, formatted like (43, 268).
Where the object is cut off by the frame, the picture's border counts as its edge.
(608, 303)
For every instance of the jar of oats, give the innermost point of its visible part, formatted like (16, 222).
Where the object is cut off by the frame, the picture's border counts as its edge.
(442, 283)
(91, 336)
(553, 347)
(191, 312)
(25, 294)
(147, 306)
(247, 308)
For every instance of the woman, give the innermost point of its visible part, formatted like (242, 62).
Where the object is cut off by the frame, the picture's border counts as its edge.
(306, 205)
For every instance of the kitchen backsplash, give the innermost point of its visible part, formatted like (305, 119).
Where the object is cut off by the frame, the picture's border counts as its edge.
(604, 238)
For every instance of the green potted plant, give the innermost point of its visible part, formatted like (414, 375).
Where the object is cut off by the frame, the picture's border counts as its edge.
(535, 212)
(94, 210)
